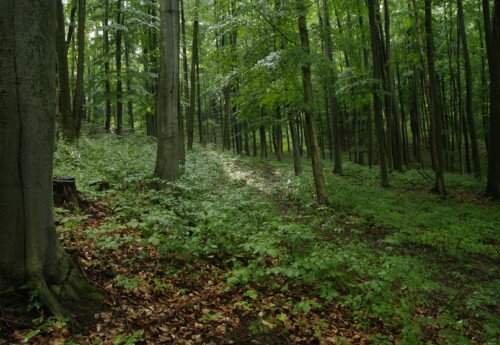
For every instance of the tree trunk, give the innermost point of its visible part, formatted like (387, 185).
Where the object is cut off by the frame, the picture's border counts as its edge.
(297, 159)
(62, 71)
(332, 101)
(130, 105)
(377, 74)
(310, 118)
(278, 135)
(167, 159)
(194, 62)
(263, 141)
(29, 248)
(107, 83)
(469, 91)
(435, 111)
(182, 141)
(118, 60)
(395, 119)
(80, 69)
(493, 44)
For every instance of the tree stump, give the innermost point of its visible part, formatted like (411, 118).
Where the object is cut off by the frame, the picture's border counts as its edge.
(65, 193)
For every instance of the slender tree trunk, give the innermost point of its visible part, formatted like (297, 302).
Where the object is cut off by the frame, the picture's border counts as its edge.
(377, 74)
(332, 101)
(62, 70)
(297, 159)
(167, 159)
(492, 30)
(319, 181)
(435, 111)
(395, 117)
(194, 62)
(107, 83)
(118, 60)
(80, 70)
(263, 141)
(182, 144)
(278, 134)
(469, 91)
(130, 104)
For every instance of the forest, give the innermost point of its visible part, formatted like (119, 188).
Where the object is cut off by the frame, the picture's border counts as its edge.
(249, 172)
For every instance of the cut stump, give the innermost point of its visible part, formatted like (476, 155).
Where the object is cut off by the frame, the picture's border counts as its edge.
(65, 193)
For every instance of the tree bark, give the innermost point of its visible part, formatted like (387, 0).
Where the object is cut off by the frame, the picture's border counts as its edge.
(167, 159)
(194, 62)
(377, 75)
(62, 71)
(310, 117)
(332, 100)
(435, 111)
(107, 84)
(469, 91)
(78, 100)
(118, 60)
(29, 248)
(182, 144)
(493, 43)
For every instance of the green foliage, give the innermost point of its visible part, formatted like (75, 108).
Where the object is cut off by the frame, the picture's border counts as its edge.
(382, 253)
(124, 339)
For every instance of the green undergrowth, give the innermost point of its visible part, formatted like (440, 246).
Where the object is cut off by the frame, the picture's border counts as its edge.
(425, 268)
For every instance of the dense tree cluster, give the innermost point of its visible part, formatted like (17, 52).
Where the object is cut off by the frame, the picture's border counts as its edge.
(401, 85)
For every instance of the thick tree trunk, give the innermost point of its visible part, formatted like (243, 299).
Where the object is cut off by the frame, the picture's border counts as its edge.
(29, 247)
(319, 182)
(78, 99)
(167, 159)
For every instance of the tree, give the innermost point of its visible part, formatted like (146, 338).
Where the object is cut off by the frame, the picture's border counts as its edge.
(78, 99)
(435, 110)
(29, 247)
(332, 101)
(193, 81)
(492, 29)
(107, 83)
(468, 90)
(167, 160)
(310, 122)
(62, 72)
(118, 59)
(377, 75)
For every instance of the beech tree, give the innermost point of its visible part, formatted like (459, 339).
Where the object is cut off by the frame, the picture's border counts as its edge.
(492, 28)
(167, 160)
(310, 118)
(29, 248)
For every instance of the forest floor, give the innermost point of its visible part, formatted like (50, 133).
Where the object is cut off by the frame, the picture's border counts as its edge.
(237, 252)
